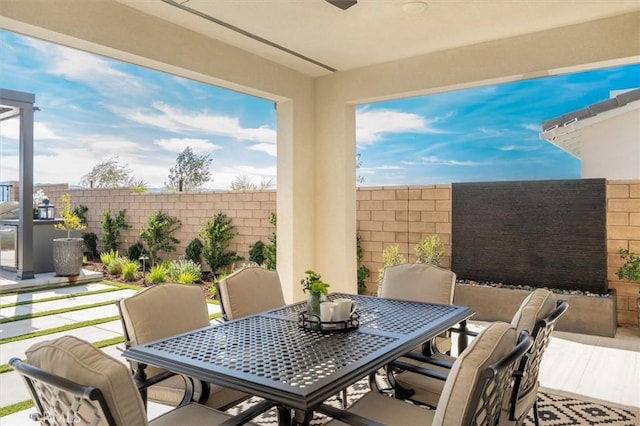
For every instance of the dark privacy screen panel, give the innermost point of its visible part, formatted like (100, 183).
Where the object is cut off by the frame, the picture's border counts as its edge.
(537, 233)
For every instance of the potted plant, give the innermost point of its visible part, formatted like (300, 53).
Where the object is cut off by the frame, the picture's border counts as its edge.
(313, 285)
(630, 271)
(68, 252)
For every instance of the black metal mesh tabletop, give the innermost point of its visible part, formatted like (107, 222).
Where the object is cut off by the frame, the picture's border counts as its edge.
(272, 356)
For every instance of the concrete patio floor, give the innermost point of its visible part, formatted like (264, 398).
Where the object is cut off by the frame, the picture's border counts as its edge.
(594, 368)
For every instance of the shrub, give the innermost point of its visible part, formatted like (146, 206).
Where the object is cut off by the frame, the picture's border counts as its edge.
(158, 234)
(79, 211)
(363, 271)
(390, 256)
(111, 227)
(130, 270)
(270, 249)
(115, 266)
(186, 277)
(176, 268)
(107, 256)
(430, 250)
(158, 274)
(193, 251)
(135, 251)
(631, 268)
(256, 253)
(216, 235)
(91, 243)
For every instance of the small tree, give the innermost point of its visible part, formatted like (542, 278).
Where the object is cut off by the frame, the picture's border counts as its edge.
(390, 256)
(158, 234)
(430, 250)
(70, 220)
(193, 252)
(111, 227)
(245, 183)
(191, 171)
(108, 174)
(270, 249)
(216, 236)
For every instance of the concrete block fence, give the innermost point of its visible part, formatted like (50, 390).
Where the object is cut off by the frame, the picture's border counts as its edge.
(385, 216)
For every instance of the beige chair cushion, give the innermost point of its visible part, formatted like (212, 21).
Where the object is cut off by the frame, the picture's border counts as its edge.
(161, 311)
(191, 415)
(83, 363)
(388, 411)
(491, 345)
(249, 291)
(164, 310)
(538, 305)
(420, 282)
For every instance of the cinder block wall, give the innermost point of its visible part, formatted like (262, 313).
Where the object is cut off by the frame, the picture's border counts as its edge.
(385, 216)
(248, 211)
(623, 231)
(401, 216)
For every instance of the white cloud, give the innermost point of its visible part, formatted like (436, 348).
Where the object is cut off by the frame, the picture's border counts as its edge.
(433, 160)
(11, 129)
(225, 176)
(372, 124)
(198, 146)
(532, 127)
(268, 148)
(97, 72)
(520, 148)
(174, 119)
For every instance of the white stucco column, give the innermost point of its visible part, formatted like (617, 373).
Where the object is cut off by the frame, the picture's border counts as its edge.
(335, 204)
(296, 193)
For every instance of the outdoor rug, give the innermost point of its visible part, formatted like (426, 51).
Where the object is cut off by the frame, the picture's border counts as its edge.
(554, 410)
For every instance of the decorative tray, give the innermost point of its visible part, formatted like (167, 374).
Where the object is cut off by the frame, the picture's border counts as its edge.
(329, 326)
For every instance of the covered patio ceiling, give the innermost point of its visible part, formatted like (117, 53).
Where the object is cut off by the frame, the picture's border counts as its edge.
(317, 61)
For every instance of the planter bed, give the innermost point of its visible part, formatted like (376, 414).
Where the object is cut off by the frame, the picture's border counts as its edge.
(595, 315)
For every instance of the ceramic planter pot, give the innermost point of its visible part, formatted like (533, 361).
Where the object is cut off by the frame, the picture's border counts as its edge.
(67, 256)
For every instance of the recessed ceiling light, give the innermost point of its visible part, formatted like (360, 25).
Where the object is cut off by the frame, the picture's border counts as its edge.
(414, 7)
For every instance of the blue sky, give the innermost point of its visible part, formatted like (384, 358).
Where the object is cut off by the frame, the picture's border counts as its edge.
(93, 108)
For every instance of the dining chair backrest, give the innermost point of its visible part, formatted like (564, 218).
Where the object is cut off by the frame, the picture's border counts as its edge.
(538, 313)
(73, 382)
(160, 311)
(248, 291)
(475, 387)
(420, 282)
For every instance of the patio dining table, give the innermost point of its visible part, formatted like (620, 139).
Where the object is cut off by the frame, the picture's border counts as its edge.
(272, 356)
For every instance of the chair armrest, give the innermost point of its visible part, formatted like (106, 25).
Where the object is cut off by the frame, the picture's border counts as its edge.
(464, 331)
(346, 416)
(429, 360)
(419, 370)
(143, 384)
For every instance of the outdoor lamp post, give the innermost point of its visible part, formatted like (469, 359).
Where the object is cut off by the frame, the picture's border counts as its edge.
(143, 258)
(45, 210)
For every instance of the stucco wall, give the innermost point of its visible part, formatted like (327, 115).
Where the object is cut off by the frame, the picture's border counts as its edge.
(611, 147)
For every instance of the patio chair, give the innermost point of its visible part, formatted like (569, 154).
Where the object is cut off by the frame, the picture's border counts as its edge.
(473, 392)
(161, 311)
(539, 313)
(72, 382)
(421, 282)
(249, 291)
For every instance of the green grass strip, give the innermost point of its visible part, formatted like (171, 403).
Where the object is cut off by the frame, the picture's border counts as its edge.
(66, 296)
(66, 327)
(14, 408)
(54, 312)
(5, 368)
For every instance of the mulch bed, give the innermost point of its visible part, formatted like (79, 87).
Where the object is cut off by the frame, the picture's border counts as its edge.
(206, 283)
